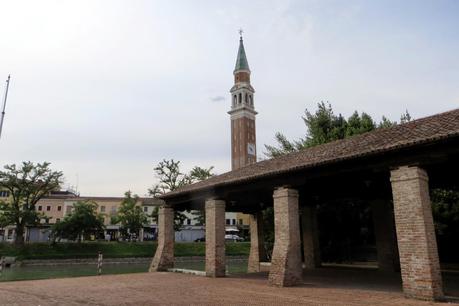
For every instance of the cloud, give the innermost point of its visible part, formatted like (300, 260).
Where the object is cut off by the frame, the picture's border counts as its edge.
(218, 99)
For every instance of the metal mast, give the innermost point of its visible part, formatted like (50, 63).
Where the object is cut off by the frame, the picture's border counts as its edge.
(4, 105)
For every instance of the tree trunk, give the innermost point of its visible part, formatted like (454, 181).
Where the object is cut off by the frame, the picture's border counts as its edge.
(19, 239)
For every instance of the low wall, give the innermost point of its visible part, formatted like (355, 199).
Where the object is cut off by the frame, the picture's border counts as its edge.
(133, 260)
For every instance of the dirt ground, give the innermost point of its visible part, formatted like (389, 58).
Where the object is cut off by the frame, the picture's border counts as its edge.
(182, 289)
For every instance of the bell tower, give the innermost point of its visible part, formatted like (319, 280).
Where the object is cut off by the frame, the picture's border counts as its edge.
(243, 140)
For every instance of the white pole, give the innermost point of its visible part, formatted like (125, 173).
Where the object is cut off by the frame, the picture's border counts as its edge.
(4, 105)
(99, 263)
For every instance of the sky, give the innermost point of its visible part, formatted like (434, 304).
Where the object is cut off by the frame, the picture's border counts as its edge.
(104, 90)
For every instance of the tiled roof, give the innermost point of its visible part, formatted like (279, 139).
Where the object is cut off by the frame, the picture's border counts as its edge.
(425, 130)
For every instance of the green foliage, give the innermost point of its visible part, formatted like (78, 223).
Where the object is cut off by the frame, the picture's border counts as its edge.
(406, 117)
(130, 215)
(386, 123)
(27, 184)
(112, 249)
(82, 222)
(324, 126)
(445, 207)
(171, 178)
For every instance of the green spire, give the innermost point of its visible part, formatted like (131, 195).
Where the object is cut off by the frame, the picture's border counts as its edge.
(241, 62)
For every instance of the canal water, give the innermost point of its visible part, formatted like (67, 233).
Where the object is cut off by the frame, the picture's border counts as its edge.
(29, 272)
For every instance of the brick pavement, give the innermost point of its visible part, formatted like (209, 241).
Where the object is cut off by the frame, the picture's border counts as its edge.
(163, 288)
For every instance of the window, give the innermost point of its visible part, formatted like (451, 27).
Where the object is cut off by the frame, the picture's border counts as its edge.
(188, 221)
(102, 209)
(4, 194)
(58, 220)
(240, 98)
(9, 234)
(241, 222)
(59, 208)
(234, 221)
(68, 209)
(40, 208)
(48, 208)
(46, 220)
(145, 209)
(228, 221)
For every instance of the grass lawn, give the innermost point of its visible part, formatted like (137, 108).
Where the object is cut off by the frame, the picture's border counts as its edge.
(111, 250)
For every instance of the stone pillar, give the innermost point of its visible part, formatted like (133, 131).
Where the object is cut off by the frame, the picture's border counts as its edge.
(384, 228)
(164, 256)
(286, 267)
(311, 246)
(215, 238)
(141, 233)
(417, 244)
(257, 250)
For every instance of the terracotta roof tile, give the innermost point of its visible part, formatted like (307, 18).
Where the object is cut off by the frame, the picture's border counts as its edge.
(428, 129)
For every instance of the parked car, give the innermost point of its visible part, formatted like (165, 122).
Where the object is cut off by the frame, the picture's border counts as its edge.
(203, 239)
(232, 237)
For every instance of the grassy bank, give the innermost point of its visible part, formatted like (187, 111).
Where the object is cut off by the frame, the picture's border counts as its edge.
(111, 250)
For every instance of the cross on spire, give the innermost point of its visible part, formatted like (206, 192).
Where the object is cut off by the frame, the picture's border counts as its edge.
(240, 32)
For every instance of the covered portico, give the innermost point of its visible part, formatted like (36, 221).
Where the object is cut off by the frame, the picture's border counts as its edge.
(391, 169)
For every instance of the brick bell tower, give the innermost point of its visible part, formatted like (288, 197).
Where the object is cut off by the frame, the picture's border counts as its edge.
(243, 140)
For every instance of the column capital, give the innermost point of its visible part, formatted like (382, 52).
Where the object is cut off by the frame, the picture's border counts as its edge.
(281, 192)
(406, 173)
(215, 203)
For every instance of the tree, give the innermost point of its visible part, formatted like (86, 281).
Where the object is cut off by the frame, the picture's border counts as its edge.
(81, 222)
(27, 184)
(170, 178)
(130, 215)
(324, 126)
(445, 208)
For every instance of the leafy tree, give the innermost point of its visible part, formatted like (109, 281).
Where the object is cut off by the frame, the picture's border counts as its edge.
(130, 215)
(170, 178)
(81, 222)
(358, 124)
(27, 184)
(386, 123)
(406, 117)
(324, 126)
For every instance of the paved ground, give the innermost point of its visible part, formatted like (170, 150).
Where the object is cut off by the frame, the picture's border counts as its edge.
(321, 288)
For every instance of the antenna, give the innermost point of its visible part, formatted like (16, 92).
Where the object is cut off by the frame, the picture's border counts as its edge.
(4, 105)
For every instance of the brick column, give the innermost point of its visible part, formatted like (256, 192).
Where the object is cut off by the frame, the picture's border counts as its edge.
(215, 238)
(286, 267)
(257, 250)
(384, 228)
(417, 245)
(164, 256)
(311, 246)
